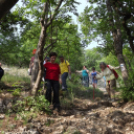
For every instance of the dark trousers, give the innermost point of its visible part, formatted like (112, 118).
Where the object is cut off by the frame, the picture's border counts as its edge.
(64, 78)
(85, 81)
(53, 85)
(1, 73)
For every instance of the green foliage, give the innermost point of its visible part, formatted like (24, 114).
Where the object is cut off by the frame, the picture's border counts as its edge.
(112, 60)
(38, 103)
(15, 80)
(16, 92)
(93, 57)
(127, 93)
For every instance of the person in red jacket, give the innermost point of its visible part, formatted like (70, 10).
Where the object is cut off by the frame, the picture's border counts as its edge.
(52, 80)
(31, 62)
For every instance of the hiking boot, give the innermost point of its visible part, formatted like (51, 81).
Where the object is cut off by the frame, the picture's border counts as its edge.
(56, 110)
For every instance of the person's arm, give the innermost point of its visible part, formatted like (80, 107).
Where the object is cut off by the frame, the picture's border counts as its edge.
(60, 80)
(69, 69)
(97, 72)
(99, 76)
(87, 70)
(111, 67)
(77, 71)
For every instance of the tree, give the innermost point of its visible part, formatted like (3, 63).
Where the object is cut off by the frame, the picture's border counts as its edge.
(92, 57)
(5, 6)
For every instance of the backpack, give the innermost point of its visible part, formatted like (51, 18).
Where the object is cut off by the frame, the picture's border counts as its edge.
(114, 72)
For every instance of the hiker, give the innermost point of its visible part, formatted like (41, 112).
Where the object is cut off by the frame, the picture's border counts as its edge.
(85, 76)
(65, 69)
(52, 80)
(111, 76)
(31, 62)
(93, 74)
(1, 71)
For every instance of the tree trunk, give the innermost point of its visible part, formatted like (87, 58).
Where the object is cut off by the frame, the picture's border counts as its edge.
(118, 44)
(5, 6)
(38, 63)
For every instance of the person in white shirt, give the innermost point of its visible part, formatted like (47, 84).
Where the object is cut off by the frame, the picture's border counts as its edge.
(108, 72)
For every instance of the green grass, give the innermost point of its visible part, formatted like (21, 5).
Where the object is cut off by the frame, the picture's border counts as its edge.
(15, 80)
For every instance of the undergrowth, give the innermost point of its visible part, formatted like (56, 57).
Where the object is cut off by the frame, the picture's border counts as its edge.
(15, 79)
(127, 92)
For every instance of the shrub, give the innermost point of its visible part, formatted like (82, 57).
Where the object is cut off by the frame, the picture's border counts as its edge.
(127, 93)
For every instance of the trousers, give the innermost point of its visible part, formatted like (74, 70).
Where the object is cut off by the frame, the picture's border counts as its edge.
(1, 73)
(53, 85)
(110, 87)
(64, 78)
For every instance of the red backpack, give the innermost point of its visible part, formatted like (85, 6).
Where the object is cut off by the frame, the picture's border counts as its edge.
(114, 72)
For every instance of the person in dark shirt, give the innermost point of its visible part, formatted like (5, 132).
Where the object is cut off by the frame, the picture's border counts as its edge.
(52, 80)
(1, 71)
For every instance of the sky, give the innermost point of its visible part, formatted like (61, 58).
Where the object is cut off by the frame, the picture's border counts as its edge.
(80, 9)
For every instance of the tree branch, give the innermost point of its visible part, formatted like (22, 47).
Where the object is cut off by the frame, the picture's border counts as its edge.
(49, 45)
(55, 13)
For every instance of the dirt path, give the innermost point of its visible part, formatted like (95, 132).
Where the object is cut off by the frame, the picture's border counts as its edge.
(85, 117)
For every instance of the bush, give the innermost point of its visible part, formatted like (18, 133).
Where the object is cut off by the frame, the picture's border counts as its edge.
(127, 93)
(38, 103)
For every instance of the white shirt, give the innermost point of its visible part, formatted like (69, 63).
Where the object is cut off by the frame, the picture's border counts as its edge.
(44, 62)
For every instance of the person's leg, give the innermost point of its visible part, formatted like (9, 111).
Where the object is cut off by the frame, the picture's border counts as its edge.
(56, 87)
(95, 85)
(64, 77)
(87, 82)
(1, 73)
(113, 88)
(108, 89)
(93, 90)
(48, 91)
(83, 81)
(45, 83)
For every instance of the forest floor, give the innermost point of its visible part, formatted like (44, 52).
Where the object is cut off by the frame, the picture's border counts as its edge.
(80, 114)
